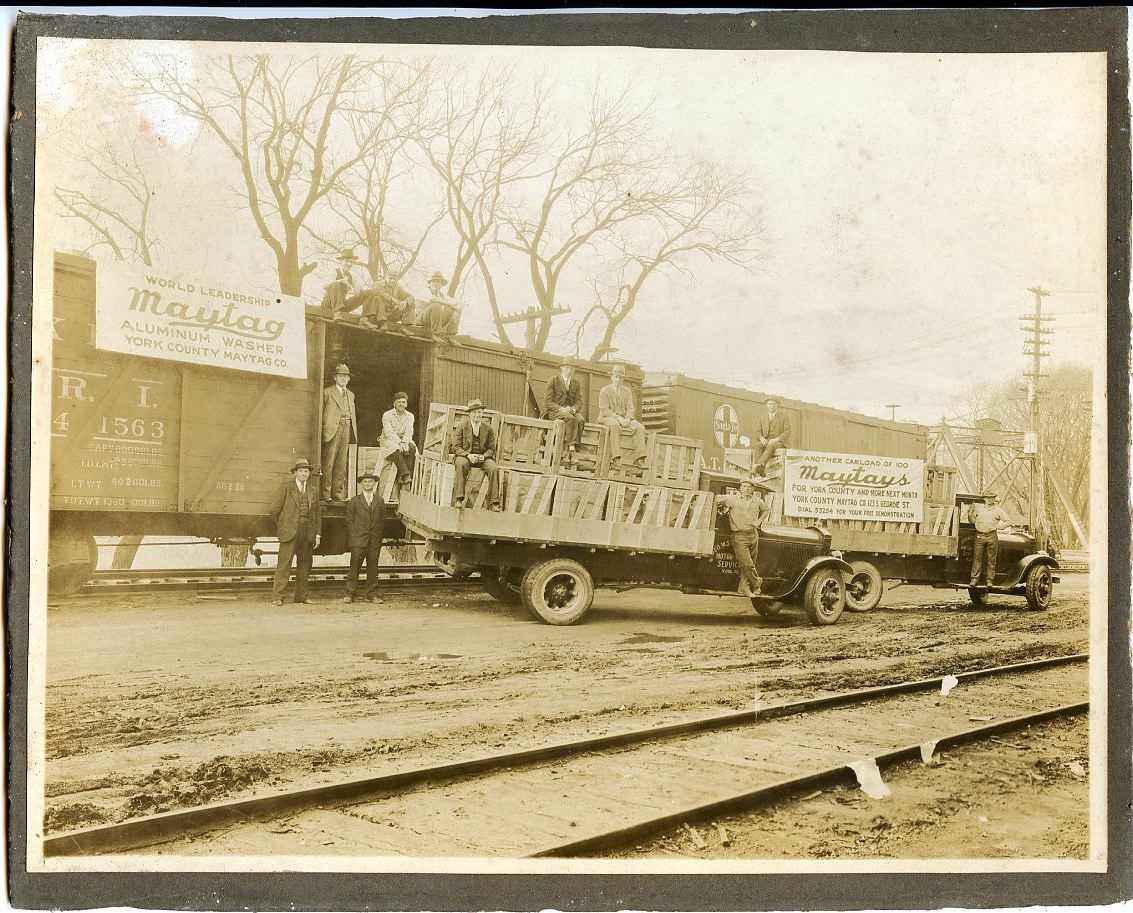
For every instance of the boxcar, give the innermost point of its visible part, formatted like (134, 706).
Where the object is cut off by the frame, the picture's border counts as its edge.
(143, 446)
(721, 415)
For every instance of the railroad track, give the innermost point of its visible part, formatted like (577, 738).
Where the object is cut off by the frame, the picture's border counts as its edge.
(246, 578)
(627, 787)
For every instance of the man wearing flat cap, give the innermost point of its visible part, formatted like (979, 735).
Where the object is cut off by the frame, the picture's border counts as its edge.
(297, 516)
(563, 403)
(475, 445)
(340, 430)
(441, 315)
(746, 513)
(365, 519)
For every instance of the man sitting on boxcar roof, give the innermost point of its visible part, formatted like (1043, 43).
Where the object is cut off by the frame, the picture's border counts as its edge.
(475, 445)
(564, 404)
(387, 306)
(342, 286)
(441, 316)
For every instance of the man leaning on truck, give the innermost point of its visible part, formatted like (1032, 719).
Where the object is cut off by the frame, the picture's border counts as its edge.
(988, 519)
(746, 513)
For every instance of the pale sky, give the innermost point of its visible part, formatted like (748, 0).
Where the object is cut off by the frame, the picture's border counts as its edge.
(908, 202)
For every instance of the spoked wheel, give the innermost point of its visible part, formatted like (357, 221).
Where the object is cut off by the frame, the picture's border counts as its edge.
(499, 589)
(863, 587)
(557, 592)
(768, 608)
(978, 597)
(825, 596)
(1040, 587)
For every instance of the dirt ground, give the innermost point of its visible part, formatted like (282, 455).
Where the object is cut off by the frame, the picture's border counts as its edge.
(155, 703)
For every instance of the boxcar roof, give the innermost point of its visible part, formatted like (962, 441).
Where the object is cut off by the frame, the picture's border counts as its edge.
(673, 379)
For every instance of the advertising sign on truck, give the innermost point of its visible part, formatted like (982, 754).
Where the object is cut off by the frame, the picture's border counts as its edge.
(851, 486)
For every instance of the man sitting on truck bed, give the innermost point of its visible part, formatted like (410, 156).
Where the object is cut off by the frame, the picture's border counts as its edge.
(564, 404)
(746, 513)
(774, 435)
(615, 411)
(475, 445)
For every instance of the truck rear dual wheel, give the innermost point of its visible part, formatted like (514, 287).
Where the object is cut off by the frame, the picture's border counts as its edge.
(864, 587)
(557, 592)
(824, 596)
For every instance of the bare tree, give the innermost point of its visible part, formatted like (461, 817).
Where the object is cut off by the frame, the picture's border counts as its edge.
(115, 202)
(600, 178)
(294, 127)
(702, 214)
(489, 138)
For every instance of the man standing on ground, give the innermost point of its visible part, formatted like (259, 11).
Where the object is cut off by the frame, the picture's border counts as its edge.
(988, 518)
(615, 411)
(774, 435)
(340, 430)
(746, 513)
(397, 444)
(564, 404)
(365, 520)
(297, 521)
(475, 445)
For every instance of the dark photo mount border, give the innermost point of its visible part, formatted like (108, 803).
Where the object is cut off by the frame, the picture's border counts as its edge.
(1102, 29)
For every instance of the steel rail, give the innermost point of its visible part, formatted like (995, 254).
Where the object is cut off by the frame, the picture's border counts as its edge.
(786, 789)
(167, 826)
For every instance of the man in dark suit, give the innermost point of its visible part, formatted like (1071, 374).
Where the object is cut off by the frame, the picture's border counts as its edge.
(298, 523)
(774, 435)
(475, 445)
(365, 519)
(340, 430)
(563, 403)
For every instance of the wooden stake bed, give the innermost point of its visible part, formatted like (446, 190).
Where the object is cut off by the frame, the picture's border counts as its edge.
(435, 521)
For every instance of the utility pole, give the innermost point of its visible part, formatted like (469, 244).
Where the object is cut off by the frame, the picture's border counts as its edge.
(1034, 346)
(892, 407)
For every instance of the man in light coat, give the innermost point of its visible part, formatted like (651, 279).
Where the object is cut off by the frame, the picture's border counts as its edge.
(297, 515)
(397, 444)
(340, 430)
(615, 411)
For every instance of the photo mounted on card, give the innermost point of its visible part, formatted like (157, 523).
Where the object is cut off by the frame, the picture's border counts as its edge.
(573, 445)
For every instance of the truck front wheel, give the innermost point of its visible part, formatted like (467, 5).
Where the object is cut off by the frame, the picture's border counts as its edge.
(1040, 587)
(824, 596)
(557, 592)
(863, 587)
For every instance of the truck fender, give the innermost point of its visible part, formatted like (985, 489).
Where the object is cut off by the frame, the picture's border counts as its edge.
(1025, 563)
(814, 564)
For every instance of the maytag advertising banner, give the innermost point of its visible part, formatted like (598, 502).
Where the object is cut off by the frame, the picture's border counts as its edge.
(850, 486)
(225, 324)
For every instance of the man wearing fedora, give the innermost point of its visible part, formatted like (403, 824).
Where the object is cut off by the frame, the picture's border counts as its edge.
(774, 434)
(442, 313)
(746, 512)
(563, 403)
(475, 445)
(337, 291)
(365, 519)
(340, 430)
(298, 523)
(615, 411)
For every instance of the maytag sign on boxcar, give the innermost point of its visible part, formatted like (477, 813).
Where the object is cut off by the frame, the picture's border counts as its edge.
(849, 486)
(152, 313)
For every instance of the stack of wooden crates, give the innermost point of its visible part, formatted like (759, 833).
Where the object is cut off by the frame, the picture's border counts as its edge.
(535, 478)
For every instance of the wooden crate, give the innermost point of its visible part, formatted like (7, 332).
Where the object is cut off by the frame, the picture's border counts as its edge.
(635, 504)
(591, 458)
(688, 509)
(581, 499)
(443, 422)
(361, 459)
(528, 492)
(433, 480)
(675, 461)
(627, 471)
(528, 443)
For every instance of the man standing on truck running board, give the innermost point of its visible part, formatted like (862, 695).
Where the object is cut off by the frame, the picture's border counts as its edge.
(340, 430)
(774, 434)
(746, 513)
(988, 519)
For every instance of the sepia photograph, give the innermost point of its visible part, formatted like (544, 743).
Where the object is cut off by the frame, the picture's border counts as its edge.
(513, 457)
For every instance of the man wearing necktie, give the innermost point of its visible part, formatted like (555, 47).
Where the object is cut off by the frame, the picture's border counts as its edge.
(298, 518)
(340, 430)
(475, 445)
(365, 519)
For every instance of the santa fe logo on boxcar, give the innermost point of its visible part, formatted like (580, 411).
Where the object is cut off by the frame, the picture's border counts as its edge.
(726, 425)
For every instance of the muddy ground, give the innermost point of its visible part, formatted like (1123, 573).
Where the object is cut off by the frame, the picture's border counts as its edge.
(159, 702)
